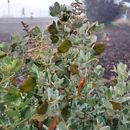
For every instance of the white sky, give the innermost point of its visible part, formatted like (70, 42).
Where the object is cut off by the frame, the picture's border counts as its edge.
(38, 3)
(38, 7)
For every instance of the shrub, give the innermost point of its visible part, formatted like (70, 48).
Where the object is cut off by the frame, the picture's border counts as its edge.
(60, 88)
(104, 11)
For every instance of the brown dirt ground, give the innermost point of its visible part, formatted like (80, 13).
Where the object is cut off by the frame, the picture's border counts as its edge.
(117, 49)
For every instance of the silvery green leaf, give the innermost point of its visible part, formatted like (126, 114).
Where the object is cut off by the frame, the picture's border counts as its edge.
(110, 111)
(85, 21)
(115, 70)
(81, 54)
(102, 81)
(53, 97)
(119, 90)
(78, 23)
(45, 127)
(122, 78)
(63, 8)
(79, 113)
(57, 8)
(82, 106)
(61, 126)
(59, 82)
(55, 78)
(101, 120)
(56, 93)
(61, 97)
(105, 128)
(30, 113)
(73, 38)
(107, 104)
(124, 99)
(99, 70)
(93, 38)
(85, 58)
(6, 46)
(121, 68)
(52, 110)
(88, 55)
(50, 91)
(104, 37)
(11, 113)
(99, 28)
(129, 73)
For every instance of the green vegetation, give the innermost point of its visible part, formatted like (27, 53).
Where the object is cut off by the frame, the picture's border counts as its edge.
(61, 88)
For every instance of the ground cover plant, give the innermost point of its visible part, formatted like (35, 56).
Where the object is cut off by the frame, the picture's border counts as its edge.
(61, 85)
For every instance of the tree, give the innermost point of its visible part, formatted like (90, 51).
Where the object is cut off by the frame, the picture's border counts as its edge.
(104, 11)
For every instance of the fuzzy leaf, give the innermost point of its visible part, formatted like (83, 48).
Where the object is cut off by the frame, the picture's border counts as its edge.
(99, 28)
(73, 38)
(10, 113)
(63, 8)
(16, 38)
(28, 84)
(108, 93)
(16, 65)
(64, 46)
(2, 54)
(98, 48)
(36, 31)
(54, 123)
(6, 46)
(101, 120)
(57, 8)
(78, 23)
(93, 38)
(30, 113)
(81, 83)
(61, 126)
(52, 12)
(43, 108)
(105, 128)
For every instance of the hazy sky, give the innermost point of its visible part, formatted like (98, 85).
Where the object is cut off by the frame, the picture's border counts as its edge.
(38, 7)
(38, 3)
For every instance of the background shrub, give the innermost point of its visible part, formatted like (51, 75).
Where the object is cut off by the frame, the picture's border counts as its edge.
(104, 11)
